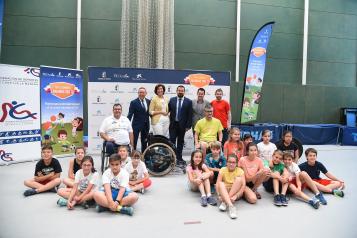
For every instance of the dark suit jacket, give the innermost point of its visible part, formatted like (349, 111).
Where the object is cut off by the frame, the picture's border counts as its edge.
(138, 113)
(186, 112)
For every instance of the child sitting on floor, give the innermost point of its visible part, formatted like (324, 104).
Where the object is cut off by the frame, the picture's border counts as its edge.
(138, 174)
(74, 166)
(115, 194)
(47, 174)
(313, 168)
(198, 177)
(86, 179)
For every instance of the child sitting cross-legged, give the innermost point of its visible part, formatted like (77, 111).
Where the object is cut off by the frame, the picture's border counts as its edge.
(230, 185)
(138, 174)
(198, 177)
(115, 194)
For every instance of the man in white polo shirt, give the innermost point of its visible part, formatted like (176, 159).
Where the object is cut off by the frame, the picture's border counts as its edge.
(116, 130)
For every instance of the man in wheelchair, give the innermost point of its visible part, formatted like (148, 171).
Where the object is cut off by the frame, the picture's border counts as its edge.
(116, 131)
(206, 130)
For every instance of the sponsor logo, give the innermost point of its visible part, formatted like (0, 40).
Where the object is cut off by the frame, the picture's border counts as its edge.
(138, 77)
(34, 71)
(5, 156)
(62, 90)
(258, 51)
(199, 80)
(122, 76)
(104, 76)
(14, 113)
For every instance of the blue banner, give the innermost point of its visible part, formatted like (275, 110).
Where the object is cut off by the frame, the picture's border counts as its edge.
(256, 131)
(349, 136)
(62, 108)
(255, 73)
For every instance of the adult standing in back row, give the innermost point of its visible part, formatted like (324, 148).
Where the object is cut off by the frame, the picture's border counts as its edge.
(198, 106)
(222, 111)
(139, 112)
(180, 108)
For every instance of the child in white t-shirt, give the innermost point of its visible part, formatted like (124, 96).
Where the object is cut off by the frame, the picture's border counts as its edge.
(138, 174)
(124, 155)
(115, 194)
(85, 180)
(299, 180)
(266, 148)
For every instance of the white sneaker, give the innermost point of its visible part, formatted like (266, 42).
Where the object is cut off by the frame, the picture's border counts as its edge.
(232, 212)
(223, 207)
(142, 191)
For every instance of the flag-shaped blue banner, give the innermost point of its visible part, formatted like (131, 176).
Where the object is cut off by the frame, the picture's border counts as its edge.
(255, 73)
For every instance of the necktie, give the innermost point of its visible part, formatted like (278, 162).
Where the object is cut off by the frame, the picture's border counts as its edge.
(178, 114)
(142, 104)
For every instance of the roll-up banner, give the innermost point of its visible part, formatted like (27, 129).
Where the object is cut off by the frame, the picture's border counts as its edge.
(20, 133)
(107, 86)
(62, 108)
(255, 73)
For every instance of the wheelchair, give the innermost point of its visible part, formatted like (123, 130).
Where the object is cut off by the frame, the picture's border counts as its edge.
(160, 155)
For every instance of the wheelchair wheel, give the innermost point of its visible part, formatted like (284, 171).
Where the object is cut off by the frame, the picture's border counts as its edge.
(159, 159)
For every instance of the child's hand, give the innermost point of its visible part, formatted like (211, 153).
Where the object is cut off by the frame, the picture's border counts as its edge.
(39, 174)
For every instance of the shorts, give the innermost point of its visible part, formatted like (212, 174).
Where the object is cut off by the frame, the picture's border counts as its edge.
(293, 181)
(324, 182)
(249, 185)
(115, 192)
(269, 187)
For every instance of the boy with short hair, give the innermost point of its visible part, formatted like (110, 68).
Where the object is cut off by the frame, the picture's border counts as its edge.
(313, 168)
(47, 174)
(123, 152)
(298, 180)
(115, 194)
(215, 160)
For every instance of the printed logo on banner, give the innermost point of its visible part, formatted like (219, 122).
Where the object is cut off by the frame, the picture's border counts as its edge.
(5, 156)
(34, 71)
(98, 113)
(12, 112)
(258, 51)
(139, 77)
(62, 90)
(199, 80)
(122, 76)
(104, 76)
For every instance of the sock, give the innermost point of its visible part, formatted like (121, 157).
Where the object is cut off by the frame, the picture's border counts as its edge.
(202, 195)
(119, 207)
(209, 194)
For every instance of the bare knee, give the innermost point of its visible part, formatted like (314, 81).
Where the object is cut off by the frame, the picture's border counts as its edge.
(251, 200)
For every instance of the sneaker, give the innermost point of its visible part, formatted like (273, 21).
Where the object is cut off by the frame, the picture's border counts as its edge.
(277, 200)
(283, 200)
(212, 201)
(232, 212)
(222, 207)
(85, 205)
(321, 198)
(314, 203)
(62, 202)
(30, 192)
(100, 209)
(203, 201)
(338, 192)
(127, 210)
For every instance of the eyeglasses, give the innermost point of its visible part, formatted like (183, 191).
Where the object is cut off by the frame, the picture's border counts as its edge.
(230, 162)
(208, 111)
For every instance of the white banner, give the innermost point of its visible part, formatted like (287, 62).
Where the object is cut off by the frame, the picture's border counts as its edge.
(122, 88)
(20, 133)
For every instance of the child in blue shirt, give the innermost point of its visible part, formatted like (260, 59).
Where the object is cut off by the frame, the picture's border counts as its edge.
(215, 160)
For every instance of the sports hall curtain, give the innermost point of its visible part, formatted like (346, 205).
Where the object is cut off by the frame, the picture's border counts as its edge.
(147, 34)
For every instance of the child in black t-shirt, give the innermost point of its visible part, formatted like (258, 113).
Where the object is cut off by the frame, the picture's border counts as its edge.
(287, 145)
(313, 168)
(47, 174)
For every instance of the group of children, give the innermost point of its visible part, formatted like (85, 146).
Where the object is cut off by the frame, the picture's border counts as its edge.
(125, 176)
(244, 166)
(235, 173)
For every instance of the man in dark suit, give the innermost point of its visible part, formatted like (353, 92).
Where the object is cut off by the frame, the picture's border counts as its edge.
(180, 109)
(139, 112)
